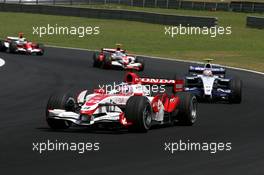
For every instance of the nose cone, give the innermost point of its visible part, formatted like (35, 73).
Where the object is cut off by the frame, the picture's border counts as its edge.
(88, 110)
(27, 46)
(208, 83)
(125, 60)
(208, 90)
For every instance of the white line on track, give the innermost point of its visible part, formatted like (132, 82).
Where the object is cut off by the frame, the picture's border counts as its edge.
(171, 59)
(2, 62)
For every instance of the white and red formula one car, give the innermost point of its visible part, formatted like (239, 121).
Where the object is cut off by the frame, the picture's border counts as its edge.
(117, 58)
(131, 105)
(21, 45)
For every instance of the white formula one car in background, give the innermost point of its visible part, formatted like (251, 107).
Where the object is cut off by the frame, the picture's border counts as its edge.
(210, 83)
(117, 58)
(130, 105)
(21, 45)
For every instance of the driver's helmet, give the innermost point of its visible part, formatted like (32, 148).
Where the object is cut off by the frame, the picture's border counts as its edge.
(207, 72)
(118, 54)
(118, 47)
(21, 37)
(124, 88)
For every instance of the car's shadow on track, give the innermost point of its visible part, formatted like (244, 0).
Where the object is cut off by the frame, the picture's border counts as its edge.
(111, 131)
(85, 130)
(214, 102)
(118, 69)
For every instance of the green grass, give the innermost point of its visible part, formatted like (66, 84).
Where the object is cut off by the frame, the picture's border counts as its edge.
(244, 48)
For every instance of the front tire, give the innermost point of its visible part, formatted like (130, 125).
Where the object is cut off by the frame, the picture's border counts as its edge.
(41, 47)
(138, 111)
(12, 47)
(60, 101)
(236, 91)
(187, 113)
(142, 62)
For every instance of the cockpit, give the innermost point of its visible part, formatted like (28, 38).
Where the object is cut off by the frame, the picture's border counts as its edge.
(118, 54)
(17, 39)
(207, 72)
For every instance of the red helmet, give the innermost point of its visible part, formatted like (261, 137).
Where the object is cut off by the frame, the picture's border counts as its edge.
(20, 35)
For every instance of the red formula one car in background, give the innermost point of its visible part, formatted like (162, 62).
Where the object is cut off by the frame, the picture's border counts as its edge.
(130, 105)
(21, 45)
(117, 58)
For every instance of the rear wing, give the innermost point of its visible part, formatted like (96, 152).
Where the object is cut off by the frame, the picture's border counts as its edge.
(199, 70)
(112, 50)
(133, 78)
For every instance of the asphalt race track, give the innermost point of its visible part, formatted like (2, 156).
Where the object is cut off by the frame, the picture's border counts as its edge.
(28, 81)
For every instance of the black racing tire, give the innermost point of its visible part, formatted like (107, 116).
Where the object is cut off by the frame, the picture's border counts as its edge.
(12, 47)
(142, 62)
(42, 48)
(107, 62)
(235, 86)
(187, 114)
(96, 62)
(60, 101)
(138, 111)
(3, 48)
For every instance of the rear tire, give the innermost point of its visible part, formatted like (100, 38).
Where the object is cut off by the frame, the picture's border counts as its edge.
(96, 63)
(138, 111)
(107, 62)
(60, 101)
(236, 91)
(187, 113)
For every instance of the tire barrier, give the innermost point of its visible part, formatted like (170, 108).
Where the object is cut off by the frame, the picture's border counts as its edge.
(255, 22)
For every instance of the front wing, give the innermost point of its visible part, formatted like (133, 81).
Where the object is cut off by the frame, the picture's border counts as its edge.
(217, 93)
(131, 66)
(82, 119)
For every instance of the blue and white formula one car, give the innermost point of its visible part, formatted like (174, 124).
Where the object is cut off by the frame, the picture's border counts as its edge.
(209, 83)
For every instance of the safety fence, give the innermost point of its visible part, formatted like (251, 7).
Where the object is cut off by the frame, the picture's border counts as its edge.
(237, 6)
